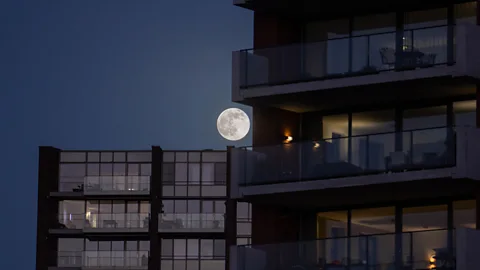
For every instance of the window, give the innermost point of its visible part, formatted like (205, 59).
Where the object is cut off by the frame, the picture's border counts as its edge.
(167, 248)
(220, 173)
(194, 206)
(464, 214)
(146, 169)
(206, 248)
(139, 157)
(194, 173)
(465, 113)
(119, 157)
(168, 173)
(106, 157)
(219, 248)
(106, 169)
(180, 173)
(212, 248)
(119, 169)
(93, 157)
(72, 157)
(180, 206)
(192, 248)
(179, 248)
(208, 173)
(243, 210)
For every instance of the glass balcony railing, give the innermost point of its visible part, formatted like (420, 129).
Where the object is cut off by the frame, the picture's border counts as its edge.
(71, 221)
(346, 156)
(191, 222)
(419, 250)
(116, 259)
(118, 221)
(345, 57)
(69, 258)
(117, 183)
(103, 259)
(104, 221)
(113, 183)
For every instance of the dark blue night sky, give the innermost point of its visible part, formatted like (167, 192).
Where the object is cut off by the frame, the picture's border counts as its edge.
(106, 74)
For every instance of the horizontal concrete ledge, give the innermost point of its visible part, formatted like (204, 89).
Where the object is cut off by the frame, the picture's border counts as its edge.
(382, 77)
(348, 181)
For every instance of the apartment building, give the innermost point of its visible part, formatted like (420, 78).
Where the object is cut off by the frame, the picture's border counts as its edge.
(366, 139)
(150, 209)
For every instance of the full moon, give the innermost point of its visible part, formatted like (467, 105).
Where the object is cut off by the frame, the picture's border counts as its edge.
(233, 124)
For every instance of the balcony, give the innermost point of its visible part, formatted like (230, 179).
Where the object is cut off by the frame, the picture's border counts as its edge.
(111, 222)
(356, 61)
(445, 152)
(98, 185)
(436, 249)
(191, 222)
(105, 260)
(104, 185)
(117, 222)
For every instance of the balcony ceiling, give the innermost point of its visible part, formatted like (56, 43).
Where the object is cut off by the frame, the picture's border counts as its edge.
(313, 9)
(367, 97)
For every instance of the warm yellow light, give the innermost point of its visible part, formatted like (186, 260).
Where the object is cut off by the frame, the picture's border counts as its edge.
(432, 259)
(288, 139)
(316, 145)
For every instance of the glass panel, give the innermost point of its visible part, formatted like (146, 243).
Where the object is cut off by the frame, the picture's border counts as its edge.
(181, 173)
(371, 34)
(194, 206)
(464, 214)
(181, 157)
(180, 248)
(214, 156)
(119, 156)
(335, 127)
(373, 221)
(465, 113)
(168, 172)
(194, 173)
(69, 252)
(425, 218)
(168, 157)
(72, 157)
(335, 60)
(373, 24)
(333, 225)
(370, 152)
(192, 248)
(106, 157)
(425, 18)
(139, 156)
(167, 248)
(425, 118)
(72, 214)
(208, 173)
(71, 177)
(206, 248)
(466, 13)
(194, 156)
(428, 247)
(93, 157)
(146, 169)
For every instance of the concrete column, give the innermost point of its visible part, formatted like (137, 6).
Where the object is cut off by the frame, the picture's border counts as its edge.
(230, 216)
(156, 191)
(47, 208)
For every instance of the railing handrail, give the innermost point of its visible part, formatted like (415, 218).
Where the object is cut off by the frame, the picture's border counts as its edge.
(348, 37)
(348, 137)
(349, 237)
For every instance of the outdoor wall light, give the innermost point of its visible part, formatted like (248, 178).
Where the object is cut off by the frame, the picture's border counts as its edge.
(288, 139)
